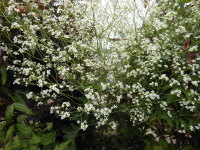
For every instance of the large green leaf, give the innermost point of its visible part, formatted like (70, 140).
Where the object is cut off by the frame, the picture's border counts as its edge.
(163, 143)
(21, 118)
(2, 135)
(172, 98)
(33, 147)
(3, 75)
(35, 139)
(148, 145)
(48, 138)
(23, 108)
(70, 132)
(69, 145)
(62, 146)
(9, 113)
(2, 125)
(49, 126)
(17, 97)
(9, 133)
(23, 128)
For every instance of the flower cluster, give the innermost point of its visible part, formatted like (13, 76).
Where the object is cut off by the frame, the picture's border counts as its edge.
(101, 65)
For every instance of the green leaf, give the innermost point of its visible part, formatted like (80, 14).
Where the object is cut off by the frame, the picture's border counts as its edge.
(23, 128)
(156, 147)
(148, 145)
(170, 122)
(70, 133)
(62, 146)
(3, 75)
(163, 116)
(49, 126)
(2, 135)
(25, 144)
(177, 122)
(21, 118)
(124, 107)
(69, 145)
(23, 108)
(2, 125)
(163, 143)
(35, 139)
(9, 133)
(9, 113)
(48, 138)
(194, 77)
(172, 98)
(15, 144)
(188, 147)
(33, 147)
(44, 34)
(17, 97)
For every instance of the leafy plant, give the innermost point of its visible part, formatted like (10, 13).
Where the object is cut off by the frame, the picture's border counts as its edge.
(94, 80)
(18, 132)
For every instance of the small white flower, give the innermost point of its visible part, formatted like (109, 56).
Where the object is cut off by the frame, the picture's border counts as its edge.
(119, 98)
(88, 108)
(84, 125)
(17, 81)
(163, 76)
(29, 95)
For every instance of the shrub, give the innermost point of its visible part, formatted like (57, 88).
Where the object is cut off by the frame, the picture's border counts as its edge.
(91, 68)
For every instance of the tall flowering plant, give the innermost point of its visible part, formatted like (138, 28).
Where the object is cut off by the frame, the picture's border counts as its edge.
(89, 66)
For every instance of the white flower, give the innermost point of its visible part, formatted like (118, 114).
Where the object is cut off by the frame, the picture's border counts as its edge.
(88, 108)
(15, 25)
(113, 125)
(84, 125)
(17, 81)
(177, 92)
(29, 95)
(103, 86)
(169, 113)
(163, 105)
(163, 76)
(119, 98)
(88, 62)
(191, 128)
(54, 88)
(64, 115)
(65, 104)
(195, 83)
